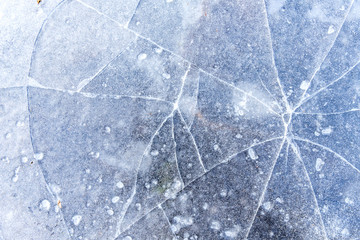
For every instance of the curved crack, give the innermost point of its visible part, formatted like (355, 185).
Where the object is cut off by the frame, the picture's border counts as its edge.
(287, 105)
(41, 171)
(40, 30)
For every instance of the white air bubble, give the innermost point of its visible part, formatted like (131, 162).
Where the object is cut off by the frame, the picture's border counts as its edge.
(158, 50)
(119, 184)
(76, 219)
(267, 206)
(304, 85)
(319, 164)
(115, 199)
(331, 29)
(215, 225)
(110, 212)
(142, 56)
(154, 153)
(24, 159)
(45, 205)
(39, 156)
(166, 75)
(326, 131)
(252, 154)
(107, 129)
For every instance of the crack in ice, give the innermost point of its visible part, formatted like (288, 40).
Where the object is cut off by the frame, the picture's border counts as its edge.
(327, 149)
(262, 196)
(287, 105)
(330, 48)
(325, 87)
(176, 159)
(193, 141)
(240, 90)
(86, 81)
(167, 219)
(326, 114)
(129, 201)
(297, 153)
(41, 171)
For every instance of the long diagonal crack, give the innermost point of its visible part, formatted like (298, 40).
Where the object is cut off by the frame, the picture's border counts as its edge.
(297, 153)
(86, 81)
(288, 108)
(132, 16)
(41, 171)
(176, 159)
(327, 53)
(167, 219)
(326, 86)
(193, 141)
(262, 196)
(329, 150)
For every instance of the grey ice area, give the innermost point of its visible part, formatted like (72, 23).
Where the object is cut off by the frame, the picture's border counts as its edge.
(179, 119)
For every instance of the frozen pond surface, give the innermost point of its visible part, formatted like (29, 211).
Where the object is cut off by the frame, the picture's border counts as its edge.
(179, 119)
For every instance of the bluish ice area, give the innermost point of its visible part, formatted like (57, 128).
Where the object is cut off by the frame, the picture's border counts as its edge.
(179, 119)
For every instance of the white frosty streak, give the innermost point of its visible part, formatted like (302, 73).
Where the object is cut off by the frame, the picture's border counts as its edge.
(297, 153)
(193, 141)
(41, 171)
(325, 114)
(262, 196)
(277, 3)
(329, 150)
(327, 53)
(176, 160)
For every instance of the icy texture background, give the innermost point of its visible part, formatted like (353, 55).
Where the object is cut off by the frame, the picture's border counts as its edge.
(179, 119)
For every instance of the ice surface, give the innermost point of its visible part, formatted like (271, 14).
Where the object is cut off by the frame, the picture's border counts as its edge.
(179, 119)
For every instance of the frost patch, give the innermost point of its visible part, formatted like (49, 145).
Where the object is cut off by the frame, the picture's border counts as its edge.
(233, 232)
(173, 190)
(326, 131)
(331, 29)
(267, 206)
(181, 222)
(319, 164)
(252, 154)
(45, 205)
(76, 219)
(215, 225)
